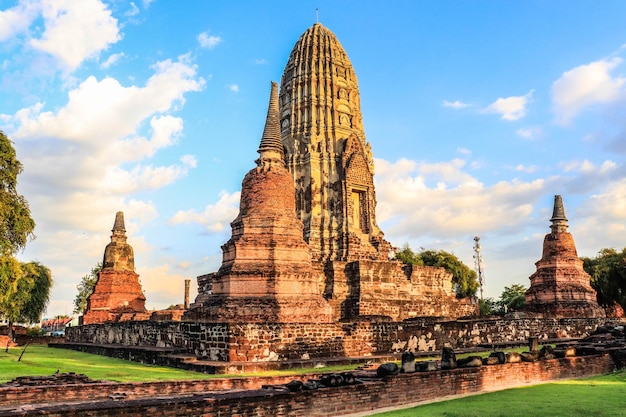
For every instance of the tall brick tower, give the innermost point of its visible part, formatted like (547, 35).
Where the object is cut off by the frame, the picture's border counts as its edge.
(326, 151)
(266, 273)
(560, 287)
(117, 292)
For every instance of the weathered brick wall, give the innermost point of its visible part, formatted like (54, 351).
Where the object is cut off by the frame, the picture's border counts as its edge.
(280, 341)
(373, 394)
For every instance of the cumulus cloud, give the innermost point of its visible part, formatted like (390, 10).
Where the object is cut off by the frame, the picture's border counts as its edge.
(442, 200)
(234, 88)
(208, 41)
(455, 104)
(164, 286)
(584, 86)
(215, 217)
(510, 108)
(17, 19)
(600, 221)
(81, 160)
(98, 111)
(76, 30)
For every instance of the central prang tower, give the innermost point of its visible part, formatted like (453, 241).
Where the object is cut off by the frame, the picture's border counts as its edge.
(326, 151)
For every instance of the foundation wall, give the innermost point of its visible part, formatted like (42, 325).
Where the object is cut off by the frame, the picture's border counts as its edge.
(274, 341)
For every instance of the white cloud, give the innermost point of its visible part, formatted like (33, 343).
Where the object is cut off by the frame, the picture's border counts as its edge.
(464, 151)
(529, 132)
(134, 10)
(208, 41)
(260, 61)
(215, 217)
(112, 59)
(510, 108)
(529, 169)
(455, 104)
(163, 286)
(585, 86)
(17, 19)
(76, 30)
(99, 111)
(234, 88)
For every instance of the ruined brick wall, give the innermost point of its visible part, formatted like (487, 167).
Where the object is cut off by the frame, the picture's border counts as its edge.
(283, 341)
(375, 393)
(391, 289)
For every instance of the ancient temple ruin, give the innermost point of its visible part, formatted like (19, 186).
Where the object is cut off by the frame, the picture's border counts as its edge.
(560, 287)
(117, 295)
(326, 151)
(266, 273)
(307, 221)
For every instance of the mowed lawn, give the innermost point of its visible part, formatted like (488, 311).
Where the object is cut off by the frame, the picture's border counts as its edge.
(600, 396)
(42, 360)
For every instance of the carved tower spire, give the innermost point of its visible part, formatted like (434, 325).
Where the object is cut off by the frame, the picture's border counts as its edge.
(559, 221)
(326, 150)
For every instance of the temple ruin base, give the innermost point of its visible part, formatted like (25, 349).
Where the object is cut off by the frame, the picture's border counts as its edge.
(267, 342)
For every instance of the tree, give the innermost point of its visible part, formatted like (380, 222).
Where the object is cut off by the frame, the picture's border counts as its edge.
(512, 298)
(31, 292)
(16, 223)
(464, 279)
(608, 276)
(488, 306)
(21, 298)
(85, 289)
(409, 257)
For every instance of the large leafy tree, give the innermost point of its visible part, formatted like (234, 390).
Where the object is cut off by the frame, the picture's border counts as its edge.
(85, 289)
(608, 276)
(16, 223)
(32, 292)
(24, 288)
(464, 279)
(513, 298)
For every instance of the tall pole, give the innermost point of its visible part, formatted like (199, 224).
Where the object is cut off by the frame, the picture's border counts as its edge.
(478, 261)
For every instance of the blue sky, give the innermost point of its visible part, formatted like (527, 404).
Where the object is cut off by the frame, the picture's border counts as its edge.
(478, 113)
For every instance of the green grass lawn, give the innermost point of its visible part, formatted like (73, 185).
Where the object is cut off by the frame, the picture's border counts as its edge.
(42, 360)
(600, 396)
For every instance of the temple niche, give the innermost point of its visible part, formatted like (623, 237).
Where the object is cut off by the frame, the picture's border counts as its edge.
(117, 295)
(560, 287)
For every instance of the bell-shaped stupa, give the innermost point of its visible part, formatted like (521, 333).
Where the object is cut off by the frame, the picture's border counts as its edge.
(266, 273)
(560, 287)
(117, 294)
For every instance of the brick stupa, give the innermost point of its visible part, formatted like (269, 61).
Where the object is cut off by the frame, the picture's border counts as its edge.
(560, 287)
(117, 295)
(266, 273)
